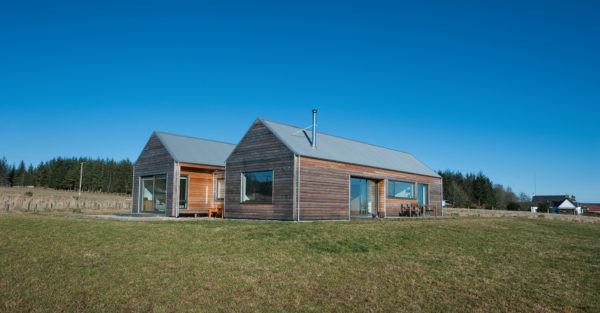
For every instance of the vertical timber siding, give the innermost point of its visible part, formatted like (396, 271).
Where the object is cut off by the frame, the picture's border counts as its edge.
(260, 150)
(325, 188)
(154, 160)
(200, 188)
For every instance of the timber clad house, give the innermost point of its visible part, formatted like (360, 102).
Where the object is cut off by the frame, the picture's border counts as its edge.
(281, 172)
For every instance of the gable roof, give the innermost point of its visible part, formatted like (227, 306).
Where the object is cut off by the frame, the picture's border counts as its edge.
(565, 205)
(195, 150)
(554, 200)
(344, 150)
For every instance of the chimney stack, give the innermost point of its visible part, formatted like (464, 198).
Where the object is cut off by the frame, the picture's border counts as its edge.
(314, 130)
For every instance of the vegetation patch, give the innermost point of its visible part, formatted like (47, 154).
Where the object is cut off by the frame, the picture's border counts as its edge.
(51, 263)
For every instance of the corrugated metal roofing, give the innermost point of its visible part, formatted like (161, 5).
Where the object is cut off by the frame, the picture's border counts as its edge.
(347, 151)
(195, 150)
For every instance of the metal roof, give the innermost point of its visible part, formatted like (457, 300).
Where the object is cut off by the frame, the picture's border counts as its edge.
(555, 200)
(195, 150)
(344, 150)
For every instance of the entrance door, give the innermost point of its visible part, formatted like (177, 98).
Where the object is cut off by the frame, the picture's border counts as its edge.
(363, 197)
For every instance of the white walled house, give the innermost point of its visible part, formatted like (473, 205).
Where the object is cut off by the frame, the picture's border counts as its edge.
(558, 204)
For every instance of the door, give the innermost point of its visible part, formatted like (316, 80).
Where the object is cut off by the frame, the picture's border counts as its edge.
(363, 197)
(147, 194)
(153, 194)
(423, 190)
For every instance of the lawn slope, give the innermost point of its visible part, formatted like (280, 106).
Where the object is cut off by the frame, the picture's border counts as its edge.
(52, 263)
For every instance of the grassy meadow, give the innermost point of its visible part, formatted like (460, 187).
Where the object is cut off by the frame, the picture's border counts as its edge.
(51, 263)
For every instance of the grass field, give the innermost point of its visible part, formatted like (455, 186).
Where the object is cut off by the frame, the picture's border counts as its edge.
(54, 263)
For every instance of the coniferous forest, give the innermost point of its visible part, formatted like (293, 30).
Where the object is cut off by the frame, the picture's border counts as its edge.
(478, 191)
(99, 175)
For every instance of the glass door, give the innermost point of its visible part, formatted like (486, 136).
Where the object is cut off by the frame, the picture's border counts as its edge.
(154, 194)
(363, 197)
(423, 194)
(147, 194)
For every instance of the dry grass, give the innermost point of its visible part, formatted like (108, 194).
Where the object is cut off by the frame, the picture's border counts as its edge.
(504, 213)
(53, 263)
(16, 199)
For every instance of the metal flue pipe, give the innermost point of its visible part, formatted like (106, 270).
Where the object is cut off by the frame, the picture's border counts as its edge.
(314, 130)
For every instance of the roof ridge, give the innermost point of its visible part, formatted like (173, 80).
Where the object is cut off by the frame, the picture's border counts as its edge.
(173, 134)
(354, 140)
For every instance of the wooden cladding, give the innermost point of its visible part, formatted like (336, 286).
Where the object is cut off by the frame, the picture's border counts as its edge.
(200, 188)
(260, 150)
(325, 189)
(154, 160)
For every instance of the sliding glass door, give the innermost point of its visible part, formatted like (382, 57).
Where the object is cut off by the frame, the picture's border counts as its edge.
(153, 194)
(363, 197)
(423, 190)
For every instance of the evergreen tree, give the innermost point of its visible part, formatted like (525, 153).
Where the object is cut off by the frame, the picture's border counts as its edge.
(19, 178)
(4, 169)
(63, 173)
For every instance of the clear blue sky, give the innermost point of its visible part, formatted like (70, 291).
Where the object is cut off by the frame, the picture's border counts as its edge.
(508, 88)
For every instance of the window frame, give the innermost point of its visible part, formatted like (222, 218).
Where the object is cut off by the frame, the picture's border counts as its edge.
(400, 181)
(222, 180)
(141, 195)
(187, 191)
(243, 185)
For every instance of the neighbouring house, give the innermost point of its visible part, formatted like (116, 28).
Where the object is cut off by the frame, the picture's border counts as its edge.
(282, 172)
(591, 207)
(558, 204)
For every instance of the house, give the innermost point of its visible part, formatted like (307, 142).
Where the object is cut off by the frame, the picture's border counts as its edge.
(178, 175)
(558, 204)
(590, 207)
(282, 172)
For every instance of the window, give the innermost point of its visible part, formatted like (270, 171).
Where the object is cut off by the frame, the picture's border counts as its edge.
(154, 193)
(257, 187)
(400, 189)
(220, 189)
(183, 192)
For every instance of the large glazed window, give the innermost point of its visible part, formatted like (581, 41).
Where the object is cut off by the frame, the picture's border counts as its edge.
(183, 192)
(154, 194)
(220, 189)
(257, 187)
(401, 189)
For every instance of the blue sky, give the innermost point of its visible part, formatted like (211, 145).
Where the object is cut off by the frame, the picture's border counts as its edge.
(508, 88)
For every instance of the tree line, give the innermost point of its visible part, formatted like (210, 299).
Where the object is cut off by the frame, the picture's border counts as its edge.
(478, 191)
(99, 175)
